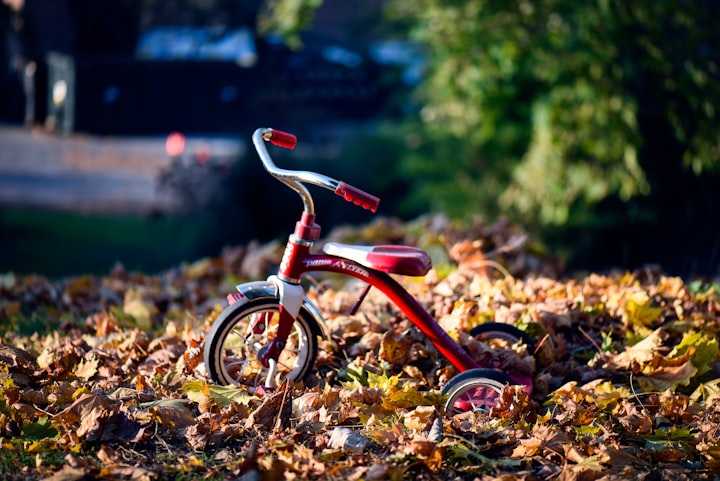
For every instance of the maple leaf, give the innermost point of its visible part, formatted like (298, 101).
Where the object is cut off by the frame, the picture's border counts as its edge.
(95, 417)
(223, 396)
(671, 444)
(87, 368)
(639, 310)
(608, 397)
(707, 392)
(703, 350)
(301, 460)
(18, 364)
(104, 382)
(395, 347)
(428, 452)
(275, 410)
(420, 419)
(663, 373)
(407, 397)
(586, 467)
(363, 377)
(639, 353)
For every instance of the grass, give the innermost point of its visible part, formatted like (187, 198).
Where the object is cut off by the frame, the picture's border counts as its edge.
(61, 243)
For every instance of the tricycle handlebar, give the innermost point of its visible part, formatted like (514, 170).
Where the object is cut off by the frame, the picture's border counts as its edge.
(357, 196)
(295, 178)
(280, 138)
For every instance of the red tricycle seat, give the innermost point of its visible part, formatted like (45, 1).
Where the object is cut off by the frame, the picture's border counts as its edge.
(403, 260)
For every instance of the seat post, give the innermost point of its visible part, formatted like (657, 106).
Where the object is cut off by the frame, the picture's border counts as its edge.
(360, 300)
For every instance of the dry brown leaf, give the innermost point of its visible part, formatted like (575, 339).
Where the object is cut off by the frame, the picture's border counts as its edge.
(275, 409)
(68, 473)
(107, 455)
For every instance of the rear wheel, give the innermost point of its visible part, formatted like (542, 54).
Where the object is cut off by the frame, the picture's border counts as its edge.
(244, 330)
(500, 335)
(475, 390)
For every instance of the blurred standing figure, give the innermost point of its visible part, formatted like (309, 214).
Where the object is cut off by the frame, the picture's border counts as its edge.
(31, 29)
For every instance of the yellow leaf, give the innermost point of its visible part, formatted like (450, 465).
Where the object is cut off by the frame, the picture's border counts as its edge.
(434, 460)
(406, 398)
(607, 396)
(79, 392)
(196, 391)
(671, 286)
(46, 358)
(226, 395)
(139, 309)
(639, 311)
(464, 316)
(382, 381)
(191, 464)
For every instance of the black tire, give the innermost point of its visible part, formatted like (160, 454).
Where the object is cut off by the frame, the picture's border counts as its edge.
(476, 390)
(231, 359)
(498, 332)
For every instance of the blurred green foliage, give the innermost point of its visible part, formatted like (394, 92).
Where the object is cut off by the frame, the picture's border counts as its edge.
(287, 18)
(564, 114)
(552, 91)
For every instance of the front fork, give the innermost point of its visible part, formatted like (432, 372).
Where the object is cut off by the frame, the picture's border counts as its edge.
(290, 292)
(291, 299)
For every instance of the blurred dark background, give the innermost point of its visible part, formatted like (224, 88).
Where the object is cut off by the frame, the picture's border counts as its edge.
(593, 125)
(149, 67)
(123, 72)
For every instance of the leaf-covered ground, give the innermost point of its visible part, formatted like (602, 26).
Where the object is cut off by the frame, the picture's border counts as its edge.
(102, 376)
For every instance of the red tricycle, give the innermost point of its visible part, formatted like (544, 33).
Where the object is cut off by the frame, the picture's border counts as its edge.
(269, 331)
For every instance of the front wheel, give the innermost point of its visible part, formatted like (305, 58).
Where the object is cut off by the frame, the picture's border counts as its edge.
(475, 390)
(242, 332)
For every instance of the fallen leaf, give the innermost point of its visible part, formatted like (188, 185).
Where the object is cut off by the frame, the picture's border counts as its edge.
(639, 310)
(86, 369)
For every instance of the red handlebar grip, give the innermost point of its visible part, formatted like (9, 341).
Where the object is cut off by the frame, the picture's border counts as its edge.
(282, 139)
(357, 196)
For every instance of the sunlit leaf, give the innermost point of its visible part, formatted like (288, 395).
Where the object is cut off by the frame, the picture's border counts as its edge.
(383, 381)
(226, 395)
(707, 391)
(608, 396)
(196, 391)
(639, 353)
(105, 391)
(87, 369)
(136, 306)
(639, 310)
(662, 373)
(703, 350)
(395, 347)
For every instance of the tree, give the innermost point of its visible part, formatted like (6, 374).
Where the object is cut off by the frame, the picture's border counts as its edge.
(563, 113)
(563, 84)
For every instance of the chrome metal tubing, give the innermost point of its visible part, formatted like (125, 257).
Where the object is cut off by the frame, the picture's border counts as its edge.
(292, 178)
